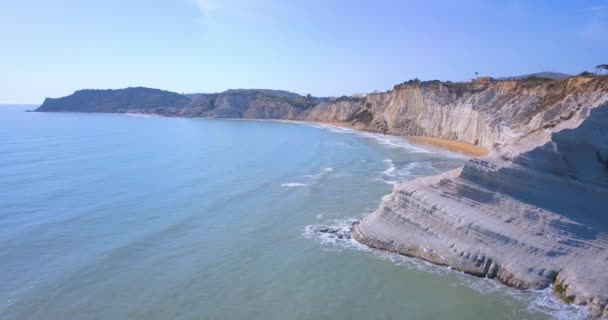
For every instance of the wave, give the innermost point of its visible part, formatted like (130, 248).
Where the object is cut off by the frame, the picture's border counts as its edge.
(391, 167)
(393, 142)
(319, 174)
(335, 235)
(384, 139)
(142, 115)
(393, 175)
(291, 185)
(545, 301)
(314, 177)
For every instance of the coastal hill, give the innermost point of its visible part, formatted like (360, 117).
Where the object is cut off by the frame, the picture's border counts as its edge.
(246, 103)
(117, 101)
(233, 103)
(531, 214)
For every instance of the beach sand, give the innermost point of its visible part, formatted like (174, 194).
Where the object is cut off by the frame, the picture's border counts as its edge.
(451, 145)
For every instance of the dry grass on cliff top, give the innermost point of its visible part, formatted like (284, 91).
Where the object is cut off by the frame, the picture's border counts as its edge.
(451, 145)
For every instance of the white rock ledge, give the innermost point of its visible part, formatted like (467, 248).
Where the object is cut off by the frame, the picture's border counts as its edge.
(528, 217)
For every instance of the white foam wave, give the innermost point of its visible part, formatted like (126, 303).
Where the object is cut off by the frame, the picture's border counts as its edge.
(393, 142)
(393, 175)
(545, 301)
(323, 172)
(542, 301)
(384, 139)
(334, 235)
(291, 185)
(141, 115)
(391, 167)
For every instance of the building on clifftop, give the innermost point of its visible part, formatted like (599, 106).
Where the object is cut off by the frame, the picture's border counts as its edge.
(484, 79)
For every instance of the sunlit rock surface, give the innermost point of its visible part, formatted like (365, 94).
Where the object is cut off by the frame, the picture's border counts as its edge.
(532, 214)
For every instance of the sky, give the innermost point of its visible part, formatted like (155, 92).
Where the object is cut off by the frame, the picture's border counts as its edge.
(321, 47)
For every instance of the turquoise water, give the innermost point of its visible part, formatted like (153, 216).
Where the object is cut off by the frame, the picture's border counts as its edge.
(108, 216)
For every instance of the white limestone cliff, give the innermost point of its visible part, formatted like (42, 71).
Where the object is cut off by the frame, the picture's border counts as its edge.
(532, 214)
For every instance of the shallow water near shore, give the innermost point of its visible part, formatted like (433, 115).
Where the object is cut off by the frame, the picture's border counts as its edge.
(130, 217)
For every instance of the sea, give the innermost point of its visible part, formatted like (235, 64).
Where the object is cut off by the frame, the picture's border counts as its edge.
(128, 216)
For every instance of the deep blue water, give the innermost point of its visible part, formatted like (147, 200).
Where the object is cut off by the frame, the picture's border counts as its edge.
(106, 216)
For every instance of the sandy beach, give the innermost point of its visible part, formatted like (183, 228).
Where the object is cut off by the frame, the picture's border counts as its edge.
(451, 145)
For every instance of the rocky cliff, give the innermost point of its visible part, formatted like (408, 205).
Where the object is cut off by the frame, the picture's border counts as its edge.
(533, 213)
(490, 115)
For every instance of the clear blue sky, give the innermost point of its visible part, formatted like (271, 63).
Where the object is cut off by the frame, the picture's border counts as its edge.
(322, 47)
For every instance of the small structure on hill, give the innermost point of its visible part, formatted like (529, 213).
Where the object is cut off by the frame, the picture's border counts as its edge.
(601, 67)
(484, 79)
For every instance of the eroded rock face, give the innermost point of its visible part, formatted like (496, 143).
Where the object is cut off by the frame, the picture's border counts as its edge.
(492, 115)
(527, 216)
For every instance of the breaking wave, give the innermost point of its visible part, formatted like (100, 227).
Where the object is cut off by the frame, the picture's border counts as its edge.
(393, 175)
(142, 115)
(391, 167)
(334, 234)
(314, 177)
(291, 185)
(323, 172)
(384, 139)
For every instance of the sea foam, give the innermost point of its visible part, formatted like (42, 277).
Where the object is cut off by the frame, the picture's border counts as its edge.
(384, 139)
(393, 174)
(291, 185)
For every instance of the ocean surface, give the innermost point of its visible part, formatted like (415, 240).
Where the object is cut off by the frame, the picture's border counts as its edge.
(108, 216)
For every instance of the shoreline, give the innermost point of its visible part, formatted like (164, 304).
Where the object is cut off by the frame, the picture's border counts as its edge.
(467, 149)
(431, 144)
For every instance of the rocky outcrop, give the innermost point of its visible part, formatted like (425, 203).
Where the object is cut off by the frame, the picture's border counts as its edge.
(532, 214)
